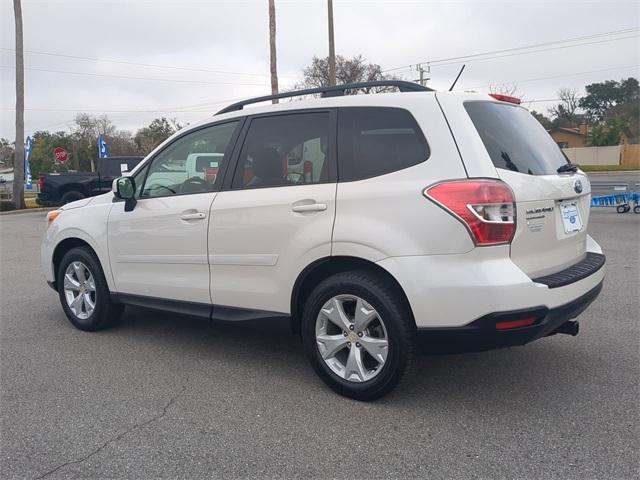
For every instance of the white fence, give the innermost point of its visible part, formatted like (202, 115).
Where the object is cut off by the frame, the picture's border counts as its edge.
(594, 155)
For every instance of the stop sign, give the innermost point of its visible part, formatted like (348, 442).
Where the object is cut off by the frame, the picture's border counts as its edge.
(60, 154)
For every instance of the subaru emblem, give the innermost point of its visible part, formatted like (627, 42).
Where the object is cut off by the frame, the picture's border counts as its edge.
(577, 186)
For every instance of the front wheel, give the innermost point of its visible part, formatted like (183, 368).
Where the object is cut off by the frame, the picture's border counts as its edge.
(357, 331)
(83, 291)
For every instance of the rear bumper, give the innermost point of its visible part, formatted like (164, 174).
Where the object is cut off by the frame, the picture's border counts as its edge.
(453, 291)
(483, 335)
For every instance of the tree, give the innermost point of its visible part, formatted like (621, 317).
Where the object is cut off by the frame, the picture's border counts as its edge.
(510, 89)
(607, 133)
(545, 121)
(42, 158)
(605, 99)
(566, 111)
(18, 164)
(7, 153)
(348, 70)
(273, 64)
(86, 132)
(148, 138)
(121, 143)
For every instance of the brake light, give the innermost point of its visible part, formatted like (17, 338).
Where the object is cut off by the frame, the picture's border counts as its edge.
(511, 324)
(486, 207)
(41, 182)
(505, 98)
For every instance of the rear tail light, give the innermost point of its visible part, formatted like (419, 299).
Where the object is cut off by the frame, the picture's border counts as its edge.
(486, 207)
(41, 182)
(505, 98)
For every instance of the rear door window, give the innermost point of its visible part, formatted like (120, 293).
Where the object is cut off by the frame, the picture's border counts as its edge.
(514, 139)
(373, 141)
(284, 150)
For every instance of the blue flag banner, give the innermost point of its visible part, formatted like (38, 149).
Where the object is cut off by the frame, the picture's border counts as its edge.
(103, 148)
(27, 165)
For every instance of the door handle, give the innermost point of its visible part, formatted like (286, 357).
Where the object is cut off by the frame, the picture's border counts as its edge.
(193, 216)
(311, 207)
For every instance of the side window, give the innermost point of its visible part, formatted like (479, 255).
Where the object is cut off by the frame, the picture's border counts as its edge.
(290, 149)
(139, 179)
(190, 164)
(376, 140)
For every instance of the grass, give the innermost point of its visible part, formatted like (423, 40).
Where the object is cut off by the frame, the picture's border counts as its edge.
(608, 168)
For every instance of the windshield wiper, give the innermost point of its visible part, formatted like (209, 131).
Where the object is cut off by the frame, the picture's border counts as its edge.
(568, 167)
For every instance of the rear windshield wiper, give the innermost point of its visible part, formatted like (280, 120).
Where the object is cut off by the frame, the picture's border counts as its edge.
(568, 167)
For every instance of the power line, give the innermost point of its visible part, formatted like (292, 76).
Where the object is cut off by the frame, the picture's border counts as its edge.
(536, 51)
(463, 58)
(137, 78)
(526, 80)
(152, 65)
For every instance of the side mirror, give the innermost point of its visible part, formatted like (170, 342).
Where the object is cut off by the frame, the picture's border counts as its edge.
(124, 188)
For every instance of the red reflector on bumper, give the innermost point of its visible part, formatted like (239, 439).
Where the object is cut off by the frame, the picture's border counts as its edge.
(511, 324)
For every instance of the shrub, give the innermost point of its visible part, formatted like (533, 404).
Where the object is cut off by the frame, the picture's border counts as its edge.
(6, 205)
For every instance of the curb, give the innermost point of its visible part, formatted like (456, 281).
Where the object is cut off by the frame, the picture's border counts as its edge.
(28, 210)
(607, 172)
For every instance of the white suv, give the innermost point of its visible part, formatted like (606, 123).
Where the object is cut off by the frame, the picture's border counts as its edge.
(376, 223)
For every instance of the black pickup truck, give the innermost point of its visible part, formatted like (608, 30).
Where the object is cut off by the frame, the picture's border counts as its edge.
(61, 188)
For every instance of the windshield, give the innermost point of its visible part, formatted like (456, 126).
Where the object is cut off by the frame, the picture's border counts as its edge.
(514, 139)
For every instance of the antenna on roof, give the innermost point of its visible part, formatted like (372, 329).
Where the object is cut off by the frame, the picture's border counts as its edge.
(456, 80)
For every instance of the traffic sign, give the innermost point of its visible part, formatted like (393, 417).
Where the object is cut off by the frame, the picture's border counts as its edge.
(60, 154)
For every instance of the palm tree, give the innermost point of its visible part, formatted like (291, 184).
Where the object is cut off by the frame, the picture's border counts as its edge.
(18, 164)
(272, 49)
(332, 48)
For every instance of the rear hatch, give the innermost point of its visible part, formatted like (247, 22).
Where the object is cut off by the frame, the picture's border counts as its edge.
(503, 140)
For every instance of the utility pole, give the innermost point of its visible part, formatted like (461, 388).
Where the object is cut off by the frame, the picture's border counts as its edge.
(422, 80)
(272, 49)
(18, 164)
(332, 49)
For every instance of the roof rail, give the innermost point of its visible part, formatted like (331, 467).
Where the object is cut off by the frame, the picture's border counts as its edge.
(335, 91)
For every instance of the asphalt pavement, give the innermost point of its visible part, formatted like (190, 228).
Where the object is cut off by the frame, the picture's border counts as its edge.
(162, 396)
(602, 181)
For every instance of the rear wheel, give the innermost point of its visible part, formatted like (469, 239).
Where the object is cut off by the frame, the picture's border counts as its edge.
(71, 196)
(83, 291)
(357, 332)
(636, 209)
(621, 209)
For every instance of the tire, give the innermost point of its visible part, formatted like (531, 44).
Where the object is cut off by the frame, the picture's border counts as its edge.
(636, 209)
(71, 196)
(392, 320)
(621, 208)
(93, 290)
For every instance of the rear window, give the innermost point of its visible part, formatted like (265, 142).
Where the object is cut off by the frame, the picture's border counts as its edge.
(377, 140)
(514, 139)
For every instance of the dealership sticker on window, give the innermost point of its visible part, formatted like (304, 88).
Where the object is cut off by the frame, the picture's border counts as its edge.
(570, 217)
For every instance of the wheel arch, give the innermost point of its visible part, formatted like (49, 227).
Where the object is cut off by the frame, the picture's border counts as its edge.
(73, 187)
(63, 247)
(325, 267)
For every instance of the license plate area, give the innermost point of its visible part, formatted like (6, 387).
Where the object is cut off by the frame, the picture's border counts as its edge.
(570, 215)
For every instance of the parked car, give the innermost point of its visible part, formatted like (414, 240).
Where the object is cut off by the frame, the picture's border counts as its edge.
(376, 223)
(63, 188)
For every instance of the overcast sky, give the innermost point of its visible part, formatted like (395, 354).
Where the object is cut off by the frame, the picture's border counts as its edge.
(232, 36)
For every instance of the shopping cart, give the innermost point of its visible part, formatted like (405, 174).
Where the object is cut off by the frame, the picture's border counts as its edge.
(621, 200)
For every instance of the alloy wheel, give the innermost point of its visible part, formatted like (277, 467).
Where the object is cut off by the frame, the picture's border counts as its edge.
(79, 290)
(351, 338)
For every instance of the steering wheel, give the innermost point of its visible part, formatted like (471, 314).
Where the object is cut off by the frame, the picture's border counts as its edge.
(192, 182)
(296, 178)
